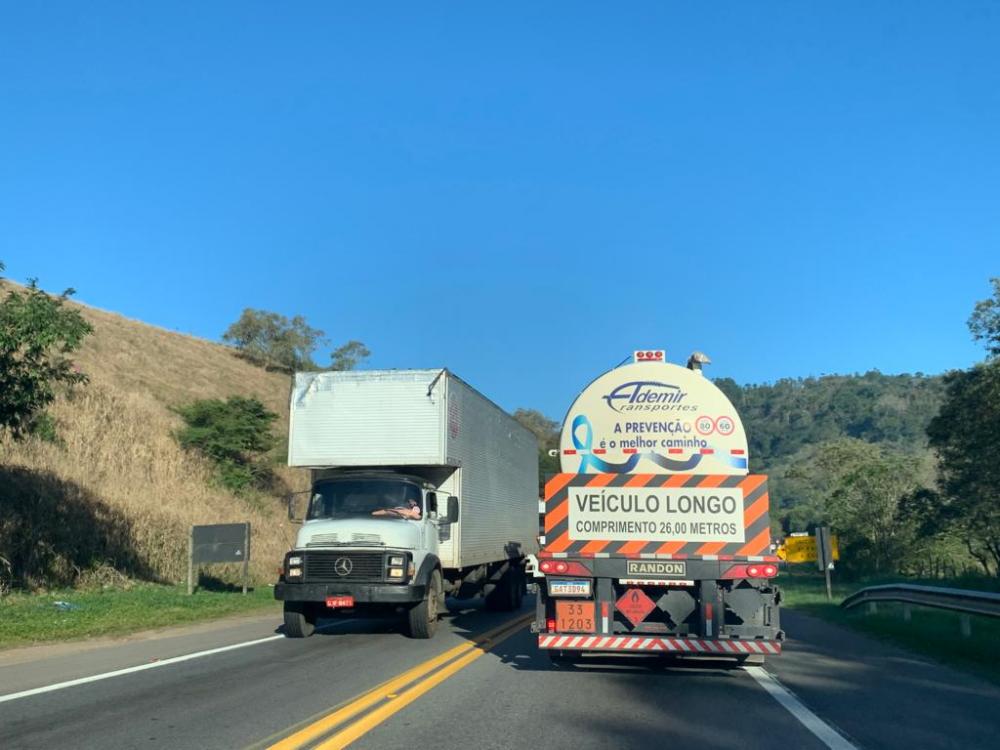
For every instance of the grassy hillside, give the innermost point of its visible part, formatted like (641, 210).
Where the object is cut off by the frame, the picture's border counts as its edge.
(118, 490)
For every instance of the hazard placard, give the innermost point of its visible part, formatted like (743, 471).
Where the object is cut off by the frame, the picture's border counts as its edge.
(575, 617)
(635, 605)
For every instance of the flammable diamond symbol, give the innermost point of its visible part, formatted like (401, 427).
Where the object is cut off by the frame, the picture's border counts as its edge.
(635, 605)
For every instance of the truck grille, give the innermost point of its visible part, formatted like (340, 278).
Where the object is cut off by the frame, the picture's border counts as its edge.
(333, 567)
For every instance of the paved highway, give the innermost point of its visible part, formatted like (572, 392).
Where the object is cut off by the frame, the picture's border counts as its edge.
(480, 683)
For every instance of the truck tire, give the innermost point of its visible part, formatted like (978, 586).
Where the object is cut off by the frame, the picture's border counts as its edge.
(509, 592)
(300, 620)
(422, 619)
(518, 586)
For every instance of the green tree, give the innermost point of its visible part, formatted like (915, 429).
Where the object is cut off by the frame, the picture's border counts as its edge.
(234, 434)
(966, 436)
(37, 332)
(349, 356)
(268, 338)
(984, 323)
(858, 489)
(547, 432)
(865, 504)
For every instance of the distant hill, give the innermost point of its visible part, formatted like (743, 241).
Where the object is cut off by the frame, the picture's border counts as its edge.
(118, 489)
(783, 417)
(788, 421)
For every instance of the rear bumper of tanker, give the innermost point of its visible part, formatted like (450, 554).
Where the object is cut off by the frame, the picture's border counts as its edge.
(716, 610)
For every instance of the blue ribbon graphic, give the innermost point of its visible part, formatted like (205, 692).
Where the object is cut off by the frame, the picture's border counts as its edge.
(588, 458)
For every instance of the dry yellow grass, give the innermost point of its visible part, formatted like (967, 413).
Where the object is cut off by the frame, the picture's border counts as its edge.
(119, 475)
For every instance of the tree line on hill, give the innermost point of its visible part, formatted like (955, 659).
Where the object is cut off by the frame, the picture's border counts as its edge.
(273, 340)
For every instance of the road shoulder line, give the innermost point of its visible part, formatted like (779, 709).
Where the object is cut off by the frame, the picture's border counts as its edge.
(823, 731)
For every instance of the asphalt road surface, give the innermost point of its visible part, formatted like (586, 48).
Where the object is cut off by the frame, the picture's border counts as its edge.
(480, 683)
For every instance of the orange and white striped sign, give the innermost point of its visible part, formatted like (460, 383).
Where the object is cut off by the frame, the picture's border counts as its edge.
(665, 516)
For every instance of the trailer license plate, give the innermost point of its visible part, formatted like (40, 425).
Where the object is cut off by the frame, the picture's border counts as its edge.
(569, 587)
(337, 602)
(575, 617)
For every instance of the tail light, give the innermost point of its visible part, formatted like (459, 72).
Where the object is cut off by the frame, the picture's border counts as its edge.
(550, 625)
(753, 570)
(563, 567)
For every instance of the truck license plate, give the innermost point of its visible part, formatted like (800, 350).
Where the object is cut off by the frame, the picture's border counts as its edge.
(575, 617)
(569, 587)
(336, 602)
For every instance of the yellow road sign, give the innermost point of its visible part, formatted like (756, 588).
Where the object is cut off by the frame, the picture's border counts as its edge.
(801, 549)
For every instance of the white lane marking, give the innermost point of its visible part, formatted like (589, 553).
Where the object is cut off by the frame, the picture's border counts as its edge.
(823, 731)
(144, 667)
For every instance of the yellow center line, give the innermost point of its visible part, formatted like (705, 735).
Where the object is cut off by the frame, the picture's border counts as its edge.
(369, 721)
(379, 693)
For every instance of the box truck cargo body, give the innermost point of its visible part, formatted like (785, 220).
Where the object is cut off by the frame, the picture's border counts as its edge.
(421, 486)
(655, 537)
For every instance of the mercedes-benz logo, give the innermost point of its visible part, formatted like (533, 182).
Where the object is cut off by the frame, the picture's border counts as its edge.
(343, 566)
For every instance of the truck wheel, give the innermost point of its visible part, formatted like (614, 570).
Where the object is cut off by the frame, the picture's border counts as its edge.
(422, 619)
(507, 595)
(300, 620)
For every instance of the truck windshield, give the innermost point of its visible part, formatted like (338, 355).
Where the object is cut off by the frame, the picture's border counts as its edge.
(353, 498)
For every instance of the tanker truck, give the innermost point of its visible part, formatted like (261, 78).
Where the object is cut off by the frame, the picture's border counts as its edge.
(655, 538)
(422, 488)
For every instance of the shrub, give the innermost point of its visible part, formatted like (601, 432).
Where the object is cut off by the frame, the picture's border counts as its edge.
(37, 331)
(234, 434)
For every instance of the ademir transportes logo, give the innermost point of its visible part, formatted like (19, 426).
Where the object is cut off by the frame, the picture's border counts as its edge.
(648, 395)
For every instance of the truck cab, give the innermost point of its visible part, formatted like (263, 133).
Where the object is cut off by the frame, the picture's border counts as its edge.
(369, 542)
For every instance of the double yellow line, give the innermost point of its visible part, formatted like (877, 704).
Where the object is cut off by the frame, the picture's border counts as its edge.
(395, 695)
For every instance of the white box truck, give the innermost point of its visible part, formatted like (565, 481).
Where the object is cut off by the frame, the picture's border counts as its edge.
(422, 488)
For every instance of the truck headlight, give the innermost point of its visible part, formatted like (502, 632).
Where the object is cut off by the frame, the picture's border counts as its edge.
(294, 573)
(395, 572)
(296, 560)
(396, 560)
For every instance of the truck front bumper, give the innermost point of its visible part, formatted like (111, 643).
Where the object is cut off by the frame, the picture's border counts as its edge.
(363, 593)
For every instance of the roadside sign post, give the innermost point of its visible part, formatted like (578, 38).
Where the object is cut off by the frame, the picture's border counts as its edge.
(824, 556)
(191, 562)
(246, 557)
(219, 543)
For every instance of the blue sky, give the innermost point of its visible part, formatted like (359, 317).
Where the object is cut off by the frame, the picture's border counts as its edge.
(523, 192)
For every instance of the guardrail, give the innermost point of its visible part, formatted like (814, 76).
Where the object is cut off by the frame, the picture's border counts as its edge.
(957, 600)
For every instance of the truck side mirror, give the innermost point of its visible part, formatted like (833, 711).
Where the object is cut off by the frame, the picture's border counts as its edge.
(290, 499)
(452, 509)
